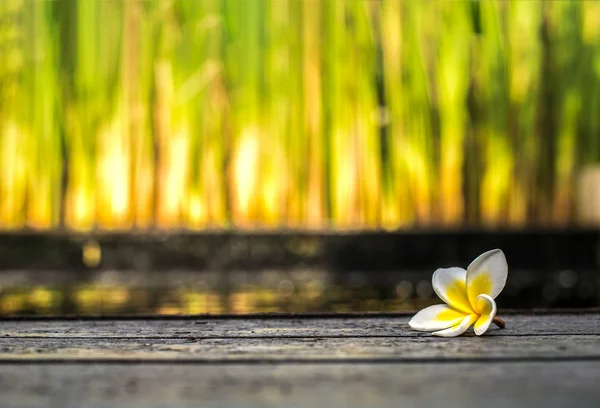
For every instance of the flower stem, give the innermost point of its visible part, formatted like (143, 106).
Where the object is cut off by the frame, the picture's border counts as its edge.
(499, 322)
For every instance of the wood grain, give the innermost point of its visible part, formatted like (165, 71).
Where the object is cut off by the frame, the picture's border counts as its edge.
(537, 361)
(516, 325)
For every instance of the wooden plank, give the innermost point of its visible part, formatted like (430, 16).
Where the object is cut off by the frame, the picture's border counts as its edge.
(538, 361)
(374, 385)
(395, 349)
(517, 325)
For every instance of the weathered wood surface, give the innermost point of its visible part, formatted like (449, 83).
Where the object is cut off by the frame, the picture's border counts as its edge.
(516, 325)
(362, 385)
(304, 350)
(537, 361)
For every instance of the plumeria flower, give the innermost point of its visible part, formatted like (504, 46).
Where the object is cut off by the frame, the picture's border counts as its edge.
(469, 297)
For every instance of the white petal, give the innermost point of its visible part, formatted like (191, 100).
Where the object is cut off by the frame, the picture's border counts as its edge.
(486, 275)
(450, 286)
(486, 308)
(459, 328)
(436, 317)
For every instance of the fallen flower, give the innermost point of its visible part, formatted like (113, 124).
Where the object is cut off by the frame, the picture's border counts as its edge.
(469, 297)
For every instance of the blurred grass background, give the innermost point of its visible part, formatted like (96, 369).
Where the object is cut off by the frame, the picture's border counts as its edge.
(253, 114)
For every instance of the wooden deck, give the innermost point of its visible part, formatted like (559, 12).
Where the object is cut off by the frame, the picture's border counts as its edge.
(298, 361)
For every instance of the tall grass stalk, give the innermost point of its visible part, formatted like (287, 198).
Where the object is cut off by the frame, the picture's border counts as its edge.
(199, 96)
(339, 71)
(40, 109)
(452, 76)
(13, 153)
(525, 56)
(565, 30)
(493, 89)
(280, 81)
(590, 59)
(366, 114)
(244, 61)
(137, 76)
(312, 120)
(395, 193)
(419, 151)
